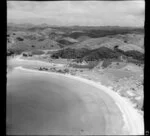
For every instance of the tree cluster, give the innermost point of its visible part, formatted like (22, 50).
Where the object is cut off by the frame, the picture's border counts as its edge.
(70, 53)
(102, 53)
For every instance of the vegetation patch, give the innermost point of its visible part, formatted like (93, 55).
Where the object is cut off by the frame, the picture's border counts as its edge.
(102, 53)
(62, 41)
(20, 39)
(106, 63)
(70, 53)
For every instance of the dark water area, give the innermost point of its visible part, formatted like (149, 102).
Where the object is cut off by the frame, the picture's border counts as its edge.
(39, 104)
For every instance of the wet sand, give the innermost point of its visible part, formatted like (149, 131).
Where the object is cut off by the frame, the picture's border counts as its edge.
(40, 103)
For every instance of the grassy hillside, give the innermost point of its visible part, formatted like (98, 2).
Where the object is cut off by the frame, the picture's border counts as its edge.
(26, 37)
(104, 31)
(124, 42)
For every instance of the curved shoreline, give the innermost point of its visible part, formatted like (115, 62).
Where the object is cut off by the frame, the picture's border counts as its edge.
(132, 119)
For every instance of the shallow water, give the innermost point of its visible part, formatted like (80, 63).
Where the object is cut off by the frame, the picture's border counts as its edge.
(37, 104)
(49, 104)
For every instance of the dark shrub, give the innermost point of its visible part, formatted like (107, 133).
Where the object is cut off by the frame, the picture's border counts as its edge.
(19, 39)
(125, 41)
(55, 56)
(66, 70)
(24, 54)
(64, 42)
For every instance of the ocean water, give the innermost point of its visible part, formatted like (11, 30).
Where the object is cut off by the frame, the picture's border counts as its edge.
(49, 104)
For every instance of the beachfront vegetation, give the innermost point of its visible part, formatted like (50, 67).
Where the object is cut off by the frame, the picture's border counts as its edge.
(88, 65)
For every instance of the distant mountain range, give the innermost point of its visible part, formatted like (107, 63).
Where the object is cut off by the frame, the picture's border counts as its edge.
(73, 27)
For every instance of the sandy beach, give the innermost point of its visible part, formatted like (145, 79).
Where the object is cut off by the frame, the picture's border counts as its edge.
(133, 121)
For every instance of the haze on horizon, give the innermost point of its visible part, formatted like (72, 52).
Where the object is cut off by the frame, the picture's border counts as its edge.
(83, 13)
